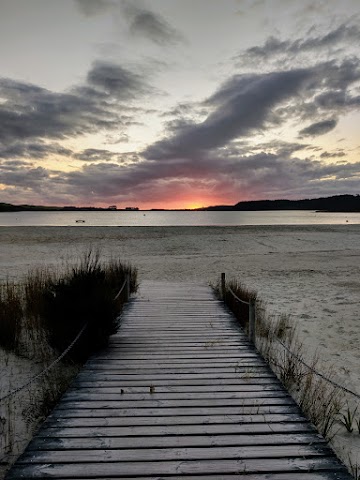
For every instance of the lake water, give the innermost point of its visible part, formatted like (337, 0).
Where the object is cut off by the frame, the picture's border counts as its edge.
(171, 218)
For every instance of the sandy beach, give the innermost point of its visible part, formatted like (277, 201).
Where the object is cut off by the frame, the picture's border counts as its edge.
(309, 272)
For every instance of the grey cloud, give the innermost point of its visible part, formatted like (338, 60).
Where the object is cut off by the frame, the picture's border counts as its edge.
(335, 99)
(337, 154)
(116, 81)
(318, 128)
(151, 25)
(25, 176)
(274, 46)
(261, 174)
(29, 111)
(32, 150)
(96, 154)
(179, 110)
(327, 96)
(245, 103)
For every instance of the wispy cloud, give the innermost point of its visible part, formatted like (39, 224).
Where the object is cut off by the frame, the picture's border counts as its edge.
(148, 24)
(344, 33)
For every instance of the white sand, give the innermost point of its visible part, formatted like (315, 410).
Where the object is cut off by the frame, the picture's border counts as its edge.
(310, 272)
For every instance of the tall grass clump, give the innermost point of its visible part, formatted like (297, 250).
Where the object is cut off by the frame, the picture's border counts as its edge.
(48, 309)
(11, 313)
(85, 296)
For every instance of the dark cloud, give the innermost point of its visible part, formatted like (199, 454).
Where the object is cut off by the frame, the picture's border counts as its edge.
(24, 176)
(274, 46)
(248, 103)
(181, 109)
(142, 22)
(318, 128)
(257, 174)
(96, 154)
(336, 154)
(336, 99)
(242, 105)
(29, 112)
(260, 174)
(116, 81)
(33, 150)
(145, 23)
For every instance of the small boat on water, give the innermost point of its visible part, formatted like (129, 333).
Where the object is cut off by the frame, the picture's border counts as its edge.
(80, 221)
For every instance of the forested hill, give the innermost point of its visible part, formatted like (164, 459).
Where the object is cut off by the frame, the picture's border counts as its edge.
(338, 203)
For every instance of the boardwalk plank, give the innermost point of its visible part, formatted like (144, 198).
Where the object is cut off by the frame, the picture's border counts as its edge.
(155, 430)
(95, 443)
(125, 402)
(161, 412)
(112, 421)
(179, 393)
(153, 454)
(239, 467)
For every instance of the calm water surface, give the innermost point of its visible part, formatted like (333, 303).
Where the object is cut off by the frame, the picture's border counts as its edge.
(146, 219)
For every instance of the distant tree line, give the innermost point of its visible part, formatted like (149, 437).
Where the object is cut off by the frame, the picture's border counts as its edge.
(337, 203)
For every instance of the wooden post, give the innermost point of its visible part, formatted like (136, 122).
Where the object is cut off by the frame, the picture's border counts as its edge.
(223, 287)
(127, 287)
(252, 319)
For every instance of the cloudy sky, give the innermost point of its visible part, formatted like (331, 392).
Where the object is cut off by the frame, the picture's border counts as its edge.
(178, 103)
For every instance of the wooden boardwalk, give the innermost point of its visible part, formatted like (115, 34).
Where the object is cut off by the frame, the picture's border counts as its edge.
(178, 394)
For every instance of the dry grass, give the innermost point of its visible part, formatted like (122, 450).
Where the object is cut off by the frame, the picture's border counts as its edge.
(11, 313)
(49, 308)
(319, 400)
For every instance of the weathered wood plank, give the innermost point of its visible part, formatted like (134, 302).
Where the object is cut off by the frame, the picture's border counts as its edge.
(126, 395)
(185, 382)
(219, 466)
(156, 430)
(140, 376)
(181, 389)
(164, 412)
(95, 443)
(160, 373)
(153, 454)
(124, 403)
(111, 421)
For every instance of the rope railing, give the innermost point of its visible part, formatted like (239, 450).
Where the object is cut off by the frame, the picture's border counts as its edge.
(125, 284)
(250, 303)
(67, 350)
(49, 367)
(236, 297)
(315, 372)
(226, 288)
